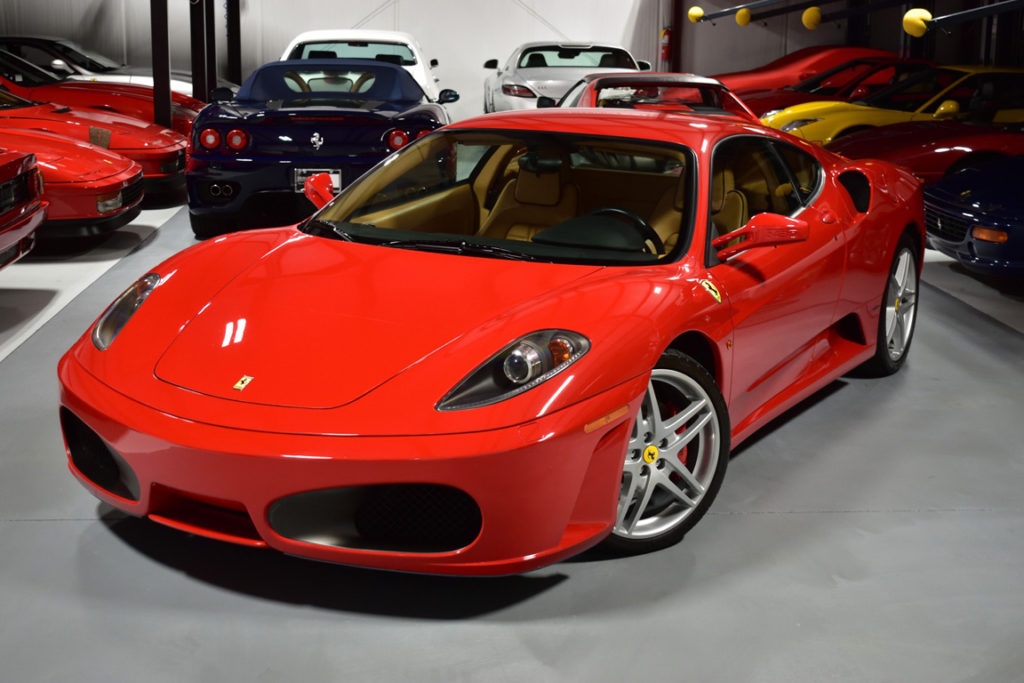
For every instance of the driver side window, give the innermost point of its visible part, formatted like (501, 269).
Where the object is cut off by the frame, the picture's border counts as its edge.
(746, 179)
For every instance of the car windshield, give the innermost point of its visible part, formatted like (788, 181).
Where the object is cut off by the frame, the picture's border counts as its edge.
(17, 70)
(360, 84)
(584, 57)
(912, 93)
(525, 195)
(843, 76)
(661, 96)
(398, 53)
(87, 59)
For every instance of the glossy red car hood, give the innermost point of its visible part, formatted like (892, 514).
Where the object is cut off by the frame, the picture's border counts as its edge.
(892, 141)
(63, 160)
(113, 131)
(318, 323)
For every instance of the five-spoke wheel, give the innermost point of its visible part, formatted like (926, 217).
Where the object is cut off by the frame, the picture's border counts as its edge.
(676, 457)
(899, 312)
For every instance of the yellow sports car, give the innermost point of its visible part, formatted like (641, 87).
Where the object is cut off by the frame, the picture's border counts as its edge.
(974, 93)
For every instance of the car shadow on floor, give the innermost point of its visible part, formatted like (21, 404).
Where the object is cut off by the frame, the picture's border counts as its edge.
(94, 248)
(274, 576)
(20, 305)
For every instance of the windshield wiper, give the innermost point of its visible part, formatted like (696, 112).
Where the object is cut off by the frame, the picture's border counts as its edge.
(460, 247)
(328, 229)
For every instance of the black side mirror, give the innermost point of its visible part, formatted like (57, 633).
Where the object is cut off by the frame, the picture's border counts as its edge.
(491, 64)
(221, 95)
(643, 64)
(433, 63)
(447, 96)
(544, 102)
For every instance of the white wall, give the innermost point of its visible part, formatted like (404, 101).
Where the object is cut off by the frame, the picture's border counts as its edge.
(461, 35)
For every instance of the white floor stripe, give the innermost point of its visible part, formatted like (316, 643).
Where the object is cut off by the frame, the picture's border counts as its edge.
(33, 292)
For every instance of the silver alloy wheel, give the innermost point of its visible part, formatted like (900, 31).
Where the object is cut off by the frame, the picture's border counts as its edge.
(671, 459)
(900, 304)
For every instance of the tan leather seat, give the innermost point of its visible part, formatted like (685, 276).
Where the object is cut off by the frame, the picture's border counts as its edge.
(530, 203)
(729, 210)
(667, 216)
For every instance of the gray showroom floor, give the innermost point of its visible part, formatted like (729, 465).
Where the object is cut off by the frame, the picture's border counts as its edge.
(874, 534)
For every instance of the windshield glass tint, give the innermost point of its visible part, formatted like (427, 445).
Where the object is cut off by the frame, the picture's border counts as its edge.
(596, 57)
(509, 194)
(87, 59)
(19, 71)
(398, 53)
(358, 83)
(912, 93)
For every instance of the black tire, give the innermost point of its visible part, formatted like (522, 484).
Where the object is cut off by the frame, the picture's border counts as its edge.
(205, 226)
(684, 470)
(895, 326)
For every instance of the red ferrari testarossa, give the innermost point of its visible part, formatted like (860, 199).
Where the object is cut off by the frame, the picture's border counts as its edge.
(520, 336)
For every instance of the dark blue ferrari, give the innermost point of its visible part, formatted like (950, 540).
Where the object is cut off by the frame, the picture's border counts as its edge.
(977, 217)
(250, 155)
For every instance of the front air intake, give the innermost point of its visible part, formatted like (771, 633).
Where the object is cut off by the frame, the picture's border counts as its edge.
(96, 460)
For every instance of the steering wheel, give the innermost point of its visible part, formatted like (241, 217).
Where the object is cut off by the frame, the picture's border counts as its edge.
(636, 222)
(297, 79)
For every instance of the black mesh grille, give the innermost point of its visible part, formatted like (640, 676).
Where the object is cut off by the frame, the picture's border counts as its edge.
(945, 226)
(131, 194)
(418, 515)
(15, 191)
(97, 461)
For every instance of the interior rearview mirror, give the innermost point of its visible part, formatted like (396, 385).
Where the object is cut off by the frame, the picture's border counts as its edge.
(762, 230)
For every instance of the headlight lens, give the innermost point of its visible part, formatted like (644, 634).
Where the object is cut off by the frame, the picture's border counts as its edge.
(519, 367)
(123, 308)
(770, 113)
(797, 123)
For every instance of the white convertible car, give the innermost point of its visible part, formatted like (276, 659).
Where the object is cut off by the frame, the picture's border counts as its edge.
(393, 46)
(549, 70)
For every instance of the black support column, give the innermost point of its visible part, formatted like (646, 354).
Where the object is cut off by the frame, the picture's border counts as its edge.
(234, 40)
(211, 50)
(161, 62)
(197, 30)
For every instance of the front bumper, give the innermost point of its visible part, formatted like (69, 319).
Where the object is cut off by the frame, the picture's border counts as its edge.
(949, 231)
(544, 490)
(17, 236)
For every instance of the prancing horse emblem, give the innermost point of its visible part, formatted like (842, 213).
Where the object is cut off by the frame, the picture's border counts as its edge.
(317, 141)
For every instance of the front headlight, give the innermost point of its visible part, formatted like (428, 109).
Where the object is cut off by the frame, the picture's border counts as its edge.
(123, 308)
(770, 113)
(797, 123)
(519, 367)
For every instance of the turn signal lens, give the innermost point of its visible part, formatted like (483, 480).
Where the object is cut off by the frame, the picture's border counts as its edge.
(209, 138)
(989, 234)
(397, 139)
(514, 90)
(105, 203)
(236, 139)
(561, 349)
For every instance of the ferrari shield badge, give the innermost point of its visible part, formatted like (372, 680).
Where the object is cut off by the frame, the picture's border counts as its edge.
(243, 383)
(712, 290)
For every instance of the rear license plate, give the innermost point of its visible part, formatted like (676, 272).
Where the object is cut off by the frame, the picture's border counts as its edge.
(302, 173)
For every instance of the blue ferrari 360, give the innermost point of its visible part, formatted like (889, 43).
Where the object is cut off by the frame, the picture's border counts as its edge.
(250, 155)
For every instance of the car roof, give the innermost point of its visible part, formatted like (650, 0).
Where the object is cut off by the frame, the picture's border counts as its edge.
(636, 124)
(557, 43)
(354, 34)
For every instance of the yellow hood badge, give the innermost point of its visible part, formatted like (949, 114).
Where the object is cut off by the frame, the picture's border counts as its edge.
(712, 290)
(243, 383)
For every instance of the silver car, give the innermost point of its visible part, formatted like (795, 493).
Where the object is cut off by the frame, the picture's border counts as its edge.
(547, 69)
